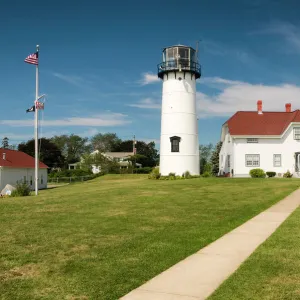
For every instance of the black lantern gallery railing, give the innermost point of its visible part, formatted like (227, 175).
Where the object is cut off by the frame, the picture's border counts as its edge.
(180, 65)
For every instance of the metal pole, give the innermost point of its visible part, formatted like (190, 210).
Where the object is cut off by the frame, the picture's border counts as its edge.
(36, 128)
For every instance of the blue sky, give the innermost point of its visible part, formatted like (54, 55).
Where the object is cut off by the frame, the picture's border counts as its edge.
(98, 62)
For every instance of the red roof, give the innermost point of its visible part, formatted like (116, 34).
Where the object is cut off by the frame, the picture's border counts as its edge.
(267, 123)
(17, 159)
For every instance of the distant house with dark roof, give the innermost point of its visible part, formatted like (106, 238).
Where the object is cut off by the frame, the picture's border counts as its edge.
(261, 139)
(18, 166)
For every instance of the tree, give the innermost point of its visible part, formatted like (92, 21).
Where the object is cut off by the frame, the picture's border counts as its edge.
(146, 149)
(205, 155)
(99, 160)
(105, 142)
(215, 159)
(138, 158)
(50, 154)
(5, 143)
(72, 147)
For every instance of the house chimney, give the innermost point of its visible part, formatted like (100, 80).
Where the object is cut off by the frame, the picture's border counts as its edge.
(288, 107)
(259, 107)
(4, 156)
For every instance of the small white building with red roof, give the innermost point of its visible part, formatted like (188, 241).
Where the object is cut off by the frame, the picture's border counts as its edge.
(16, 166)
(261, 139)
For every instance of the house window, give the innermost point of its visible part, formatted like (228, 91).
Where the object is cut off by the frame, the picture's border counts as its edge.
(228, 161)
(297, 133)
(252, 160)
(277, 160)
(42, 179)
(175, 140)
(30, 180)
(252, 141)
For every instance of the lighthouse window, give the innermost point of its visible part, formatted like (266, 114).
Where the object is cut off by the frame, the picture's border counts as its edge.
(175, 140)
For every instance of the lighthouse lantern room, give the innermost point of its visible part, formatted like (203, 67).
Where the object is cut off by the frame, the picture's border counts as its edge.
(179, 145)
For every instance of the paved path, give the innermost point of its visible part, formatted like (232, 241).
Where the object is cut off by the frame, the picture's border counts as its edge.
(200, 274)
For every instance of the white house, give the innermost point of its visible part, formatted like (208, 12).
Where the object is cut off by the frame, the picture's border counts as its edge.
(121, 157)
(18, 166)
(259, 139)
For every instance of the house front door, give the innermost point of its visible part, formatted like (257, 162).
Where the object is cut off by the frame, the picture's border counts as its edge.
(297, 161)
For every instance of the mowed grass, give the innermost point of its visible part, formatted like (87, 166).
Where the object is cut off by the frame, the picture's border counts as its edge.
(101, 239)
(272, 272)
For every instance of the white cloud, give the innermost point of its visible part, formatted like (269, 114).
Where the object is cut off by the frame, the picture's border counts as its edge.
(288, 31)
(148, 78)
(75, 80)
(147, 103)
(102, 120)
(219, 49)
(236, 96)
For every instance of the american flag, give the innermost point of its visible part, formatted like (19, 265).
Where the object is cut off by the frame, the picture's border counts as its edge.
(39, 105)
(32, 59)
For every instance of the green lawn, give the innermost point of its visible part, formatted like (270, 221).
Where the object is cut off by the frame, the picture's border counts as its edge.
(102, 238)
(272, 271)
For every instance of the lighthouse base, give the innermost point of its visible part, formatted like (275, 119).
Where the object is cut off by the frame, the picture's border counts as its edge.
(179, 164)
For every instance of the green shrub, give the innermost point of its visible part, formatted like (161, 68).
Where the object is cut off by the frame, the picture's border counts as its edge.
(197, 176)
(288, 174)
(154, 174)
(172, 176)
(187, 175)
(22, 189)
(145, 170)
(206, 174)
(207, 168)
(271, 174)
(70, 173)
(257, 173)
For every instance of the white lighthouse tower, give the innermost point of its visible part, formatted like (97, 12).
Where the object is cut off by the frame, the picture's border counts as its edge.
(179, 145)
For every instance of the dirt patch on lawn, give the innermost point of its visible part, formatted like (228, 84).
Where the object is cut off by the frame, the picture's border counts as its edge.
(71, 297)
(25, 271)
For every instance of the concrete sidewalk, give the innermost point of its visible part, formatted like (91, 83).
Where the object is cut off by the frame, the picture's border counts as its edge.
(200, 274)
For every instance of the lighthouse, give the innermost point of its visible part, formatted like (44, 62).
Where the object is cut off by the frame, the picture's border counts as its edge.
(179, 145)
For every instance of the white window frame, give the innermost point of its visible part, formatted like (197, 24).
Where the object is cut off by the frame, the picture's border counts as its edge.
(254, 160)
(296, 133)
(252, 140)
(276, 163)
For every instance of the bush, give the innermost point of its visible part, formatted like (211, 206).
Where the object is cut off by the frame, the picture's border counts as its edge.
(288, 174)
(145, 170)
(271, 174)
(187, 175)
(172, 176)
(22, 189)
(70, 173)
(154, 174)
(206, 174)
(257, 173)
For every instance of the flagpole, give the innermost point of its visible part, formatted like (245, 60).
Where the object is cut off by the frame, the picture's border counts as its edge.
(36, 114)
